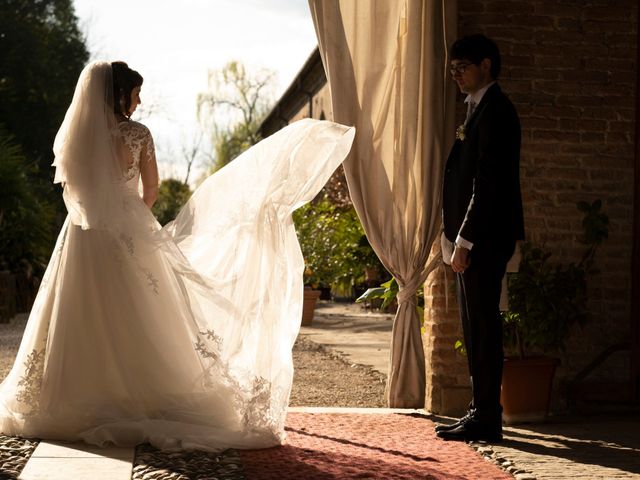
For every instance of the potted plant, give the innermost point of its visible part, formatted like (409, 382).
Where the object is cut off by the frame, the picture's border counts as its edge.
(311, 295)
(546, 300)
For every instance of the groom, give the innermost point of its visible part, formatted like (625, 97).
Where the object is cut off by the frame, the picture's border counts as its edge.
(482, 216)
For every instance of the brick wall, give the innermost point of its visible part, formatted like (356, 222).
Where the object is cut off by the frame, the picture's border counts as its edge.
(570, 68)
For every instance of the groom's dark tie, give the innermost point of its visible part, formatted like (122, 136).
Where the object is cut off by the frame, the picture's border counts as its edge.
(471, 106)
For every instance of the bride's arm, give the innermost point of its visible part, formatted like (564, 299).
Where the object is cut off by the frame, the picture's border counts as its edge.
(149, 173)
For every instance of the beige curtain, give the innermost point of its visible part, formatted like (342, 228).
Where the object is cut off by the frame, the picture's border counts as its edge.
(387, 70)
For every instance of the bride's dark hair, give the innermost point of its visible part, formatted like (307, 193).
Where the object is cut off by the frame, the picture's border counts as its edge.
(124, 81)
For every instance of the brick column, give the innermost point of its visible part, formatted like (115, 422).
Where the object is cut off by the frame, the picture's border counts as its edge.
(448, 391)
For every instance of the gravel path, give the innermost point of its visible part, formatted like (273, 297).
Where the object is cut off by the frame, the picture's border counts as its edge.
(325, 379)
(322, 378)
(10, 336)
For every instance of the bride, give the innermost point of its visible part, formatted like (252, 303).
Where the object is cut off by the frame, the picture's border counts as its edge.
(180, 336)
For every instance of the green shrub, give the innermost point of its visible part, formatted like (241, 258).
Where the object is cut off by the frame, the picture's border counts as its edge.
(334, 246)
(26, 217)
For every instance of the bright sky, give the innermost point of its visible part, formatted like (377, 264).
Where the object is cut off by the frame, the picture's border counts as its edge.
(174, 44)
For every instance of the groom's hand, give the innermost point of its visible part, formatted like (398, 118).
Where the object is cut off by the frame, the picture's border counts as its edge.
(460, 259)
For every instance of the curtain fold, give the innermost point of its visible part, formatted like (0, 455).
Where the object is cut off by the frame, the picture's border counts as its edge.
(386, 66)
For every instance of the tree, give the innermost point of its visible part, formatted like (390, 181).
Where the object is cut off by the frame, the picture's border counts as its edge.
(192, 152)
(233, 108)
(229, 144)
(42, 53)
(172, 195)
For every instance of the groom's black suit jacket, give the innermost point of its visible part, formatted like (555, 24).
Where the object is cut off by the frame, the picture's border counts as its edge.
(481, 191)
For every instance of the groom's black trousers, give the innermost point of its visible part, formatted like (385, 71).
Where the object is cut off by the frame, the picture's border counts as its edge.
(478, 291)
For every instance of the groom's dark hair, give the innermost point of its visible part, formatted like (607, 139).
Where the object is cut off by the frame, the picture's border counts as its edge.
(124, 81)
(476, 48)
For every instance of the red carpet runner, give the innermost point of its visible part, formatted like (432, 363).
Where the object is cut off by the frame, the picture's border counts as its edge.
(365, 446)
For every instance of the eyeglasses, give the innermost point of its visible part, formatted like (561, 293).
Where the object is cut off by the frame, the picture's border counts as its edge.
(459, 68)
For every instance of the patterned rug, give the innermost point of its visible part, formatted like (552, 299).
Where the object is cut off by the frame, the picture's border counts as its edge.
(319, 446)
(365, 446)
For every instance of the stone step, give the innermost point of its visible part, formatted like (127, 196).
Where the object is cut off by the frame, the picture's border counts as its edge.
(64, 461)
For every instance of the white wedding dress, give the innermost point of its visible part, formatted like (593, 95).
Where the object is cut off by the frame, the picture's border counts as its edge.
(182, 335)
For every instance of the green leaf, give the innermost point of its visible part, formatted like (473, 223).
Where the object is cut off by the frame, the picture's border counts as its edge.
(547, 297)
(459, 347)
(371, 293)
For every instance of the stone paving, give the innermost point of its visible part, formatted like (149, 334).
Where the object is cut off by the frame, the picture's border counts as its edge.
(153, 464)
(65, 461)
(359, 335)
(599, 447)
(14, 454)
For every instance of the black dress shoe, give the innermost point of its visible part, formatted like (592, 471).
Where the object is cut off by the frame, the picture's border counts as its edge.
(442, 427)
(473, 430)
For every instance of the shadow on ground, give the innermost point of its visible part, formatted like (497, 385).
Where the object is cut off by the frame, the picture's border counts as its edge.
(603, 441)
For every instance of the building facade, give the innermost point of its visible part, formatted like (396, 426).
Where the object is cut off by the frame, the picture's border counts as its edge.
(571, 69)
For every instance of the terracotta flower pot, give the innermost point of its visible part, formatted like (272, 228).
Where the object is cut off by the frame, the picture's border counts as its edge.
(526, 388)
(309, 305)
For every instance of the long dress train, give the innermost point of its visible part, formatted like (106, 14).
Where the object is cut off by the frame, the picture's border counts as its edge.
(182, 335)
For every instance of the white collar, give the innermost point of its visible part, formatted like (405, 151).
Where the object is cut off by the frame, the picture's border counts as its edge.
(476, 97)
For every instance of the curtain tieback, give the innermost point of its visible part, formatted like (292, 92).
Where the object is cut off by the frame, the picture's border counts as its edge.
(407, 295)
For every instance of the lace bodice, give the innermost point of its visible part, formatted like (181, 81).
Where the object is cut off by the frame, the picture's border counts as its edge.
(140, 149)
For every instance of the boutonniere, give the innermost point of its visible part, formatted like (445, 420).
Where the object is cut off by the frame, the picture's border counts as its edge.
(461, 133)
